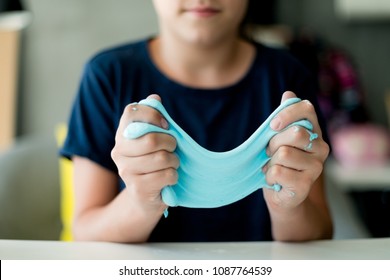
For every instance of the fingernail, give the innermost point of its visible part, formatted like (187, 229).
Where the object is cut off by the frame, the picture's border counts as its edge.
(164, 123)
(275, 124)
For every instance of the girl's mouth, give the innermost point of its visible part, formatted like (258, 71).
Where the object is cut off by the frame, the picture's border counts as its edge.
(203, 12)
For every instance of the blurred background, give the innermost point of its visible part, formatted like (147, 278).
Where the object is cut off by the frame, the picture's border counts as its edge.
(345, 43)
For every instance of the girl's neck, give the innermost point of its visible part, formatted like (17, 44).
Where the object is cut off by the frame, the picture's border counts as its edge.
(201, 66)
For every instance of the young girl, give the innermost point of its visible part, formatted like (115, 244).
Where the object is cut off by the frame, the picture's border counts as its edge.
(219, 88)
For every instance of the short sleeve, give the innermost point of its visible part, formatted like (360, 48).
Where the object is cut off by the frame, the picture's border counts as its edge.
(92, 124)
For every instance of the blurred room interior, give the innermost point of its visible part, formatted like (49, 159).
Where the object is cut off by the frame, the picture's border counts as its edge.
(44, 46)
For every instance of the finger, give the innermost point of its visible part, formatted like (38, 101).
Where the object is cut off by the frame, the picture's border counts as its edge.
(154, 96)
(286, 177)
(295, 159)
(151, 162)
(287, 95)
(296, 182)
(147, 144)
(295, 136)
(142, 113)
(295, 112)
(151, 184)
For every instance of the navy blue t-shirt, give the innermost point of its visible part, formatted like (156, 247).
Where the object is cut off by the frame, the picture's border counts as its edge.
(218, 119)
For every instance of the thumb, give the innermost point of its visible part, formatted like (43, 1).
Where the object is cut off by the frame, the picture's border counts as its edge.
(287, 95)
(155, 96)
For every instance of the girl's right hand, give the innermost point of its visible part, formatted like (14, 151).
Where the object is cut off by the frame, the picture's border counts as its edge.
(146, 164)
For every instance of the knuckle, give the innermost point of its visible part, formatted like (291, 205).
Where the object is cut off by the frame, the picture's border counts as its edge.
(308, 105)
(150, 141)
(114, 154)
(275, 171)
(124, 173)
(171, 176)
(128, 109)
(317, 166)
(284, 152)
(325, 148)
(300, 133)
(164, 158)
(161, 158)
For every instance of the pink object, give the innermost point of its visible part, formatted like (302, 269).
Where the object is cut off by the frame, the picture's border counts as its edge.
(361, 145)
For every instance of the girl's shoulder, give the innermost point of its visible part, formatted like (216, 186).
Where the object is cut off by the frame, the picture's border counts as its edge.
(128, 52)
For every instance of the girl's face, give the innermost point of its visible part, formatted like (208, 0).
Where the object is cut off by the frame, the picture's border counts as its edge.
(200, 21)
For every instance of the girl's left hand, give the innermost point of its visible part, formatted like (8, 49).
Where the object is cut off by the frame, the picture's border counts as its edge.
(294, 164)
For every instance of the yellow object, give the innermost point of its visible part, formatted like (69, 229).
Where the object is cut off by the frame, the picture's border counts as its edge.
(66, 179)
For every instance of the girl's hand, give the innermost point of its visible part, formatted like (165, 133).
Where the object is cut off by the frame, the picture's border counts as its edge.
(146, 164)
(295, 163)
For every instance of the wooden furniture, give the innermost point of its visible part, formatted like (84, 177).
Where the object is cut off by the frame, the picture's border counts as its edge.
(11, 25)
(9, 52)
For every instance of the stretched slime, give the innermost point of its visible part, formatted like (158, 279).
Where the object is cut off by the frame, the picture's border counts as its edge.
(210, 179)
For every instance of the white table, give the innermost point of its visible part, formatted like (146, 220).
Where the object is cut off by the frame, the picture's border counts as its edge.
(353, 249)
